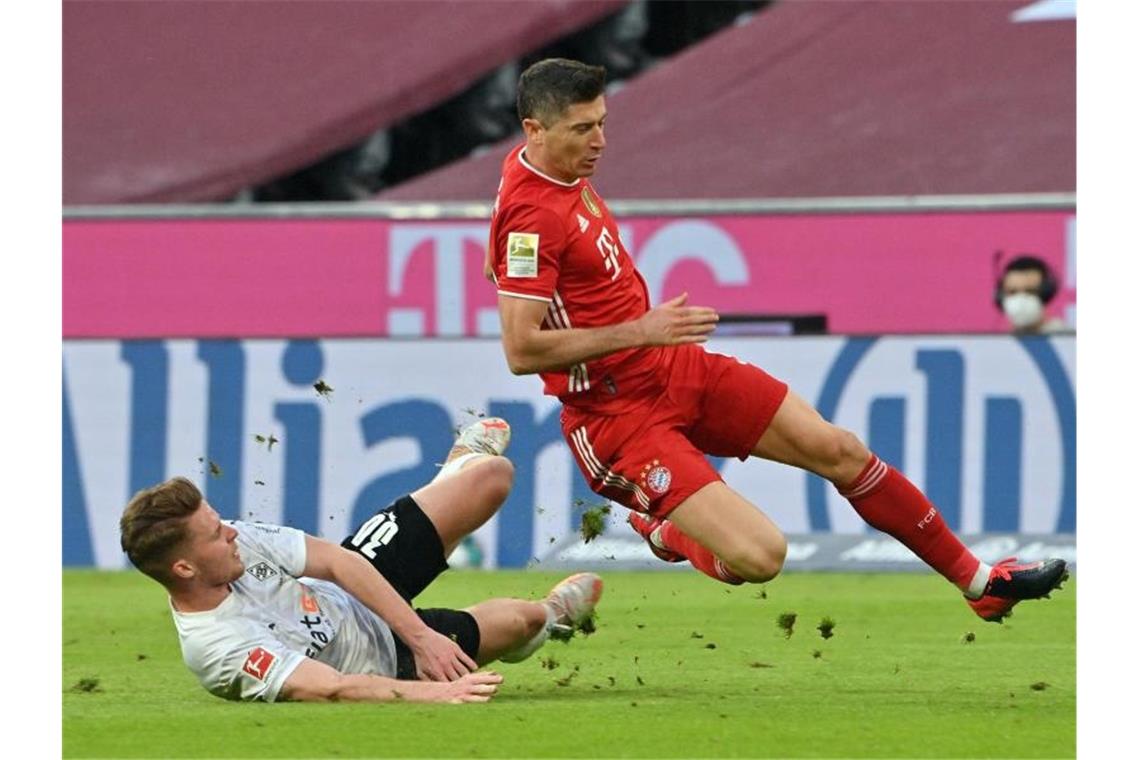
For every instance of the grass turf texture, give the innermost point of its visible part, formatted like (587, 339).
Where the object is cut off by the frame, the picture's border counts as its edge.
(680, 666)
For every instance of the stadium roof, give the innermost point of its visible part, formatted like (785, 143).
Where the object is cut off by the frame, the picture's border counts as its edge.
(816, 99)
(190, 101)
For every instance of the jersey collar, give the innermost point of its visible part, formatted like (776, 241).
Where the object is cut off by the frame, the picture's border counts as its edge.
(560, 183)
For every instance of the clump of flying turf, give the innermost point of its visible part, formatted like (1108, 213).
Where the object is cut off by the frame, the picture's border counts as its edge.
(589, 624)
(969, 637)
(566, 681)
(549, 663)
(594, 522)
(270, 439)
(787, 623)
(324, 389)
(87, 685)
(825, 627)
(1039, 686)
(586, 627)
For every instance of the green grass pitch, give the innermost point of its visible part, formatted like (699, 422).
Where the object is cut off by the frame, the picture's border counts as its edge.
(680, 666)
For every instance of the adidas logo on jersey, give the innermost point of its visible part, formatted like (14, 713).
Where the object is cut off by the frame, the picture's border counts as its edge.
(583, 223)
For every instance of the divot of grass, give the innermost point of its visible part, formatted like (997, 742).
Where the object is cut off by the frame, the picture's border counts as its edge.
(787, 623)
(594, 522)
(87, 685)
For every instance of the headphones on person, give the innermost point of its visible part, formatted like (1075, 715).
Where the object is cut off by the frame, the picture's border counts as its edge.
(1026, 262)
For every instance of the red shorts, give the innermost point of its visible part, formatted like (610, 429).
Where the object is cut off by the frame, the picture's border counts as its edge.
(650, 457)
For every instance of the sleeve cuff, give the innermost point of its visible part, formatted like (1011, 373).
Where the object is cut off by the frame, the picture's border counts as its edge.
(527, 296)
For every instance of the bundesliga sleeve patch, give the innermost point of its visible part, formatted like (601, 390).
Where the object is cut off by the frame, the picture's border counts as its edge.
(522, 254)
(258, 663)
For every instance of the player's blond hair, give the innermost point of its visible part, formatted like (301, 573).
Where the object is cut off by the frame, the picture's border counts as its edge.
(154, 524)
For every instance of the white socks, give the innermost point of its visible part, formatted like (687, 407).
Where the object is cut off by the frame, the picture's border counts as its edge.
(536, 641)
(455, 465)
(978, 584)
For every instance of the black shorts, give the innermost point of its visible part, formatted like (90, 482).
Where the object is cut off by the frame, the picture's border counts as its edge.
(401, 542)
(457, 625)
(403, 545)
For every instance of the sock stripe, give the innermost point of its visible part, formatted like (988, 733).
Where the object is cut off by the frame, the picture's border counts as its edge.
(867, 483)
(725, 574)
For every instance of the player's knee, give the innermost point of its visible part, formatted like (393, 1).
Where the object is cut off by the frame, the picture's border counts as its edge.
(840, 455)
(497, 475)
(761, 562)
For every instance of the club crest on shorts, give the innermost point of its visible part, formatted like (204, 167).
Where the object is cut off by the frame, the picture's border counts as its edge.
(656, 477)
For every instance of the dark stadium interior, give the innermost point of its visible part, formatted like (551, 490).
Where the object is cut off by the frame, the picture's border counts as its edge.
(401, 100)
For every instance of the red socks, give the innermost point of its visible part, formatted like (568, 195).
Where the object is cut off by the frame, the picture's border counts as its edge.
(886, 500)
(700, 557)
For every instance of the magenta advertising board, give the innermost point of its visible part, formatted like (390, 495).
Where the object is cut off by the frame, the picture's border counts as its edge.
(870, 272)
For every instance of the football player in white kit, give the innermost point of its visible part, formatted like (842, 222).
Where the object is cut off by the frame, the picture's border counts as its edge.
(267, 612)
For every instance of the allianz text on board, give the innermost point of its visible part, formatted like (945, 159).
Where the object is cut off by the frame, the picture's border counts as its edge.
(986, 425)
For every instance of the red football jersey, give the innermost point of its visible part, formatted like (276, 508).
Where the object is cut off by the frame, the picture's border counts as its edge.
(557, 242)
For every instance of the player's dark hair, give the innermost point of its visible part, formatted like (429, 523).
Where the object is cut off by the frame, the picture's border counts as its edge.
(549, 87)
(154, 524)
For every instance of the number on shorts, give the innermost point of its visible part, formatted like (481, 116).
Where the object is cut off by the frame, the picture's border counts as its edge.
(377, 531)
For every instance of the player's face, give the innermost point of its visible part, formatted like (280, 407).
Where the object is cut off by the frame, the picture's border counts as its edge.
(575, 142)
(212, 547)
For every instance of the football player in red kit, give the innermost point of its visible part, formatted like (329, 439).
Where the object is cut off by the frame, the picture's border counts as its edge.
(642, 402)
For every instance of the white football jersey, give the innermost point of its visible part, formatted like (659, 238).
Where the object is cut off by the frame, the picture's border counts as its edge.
(246, 647)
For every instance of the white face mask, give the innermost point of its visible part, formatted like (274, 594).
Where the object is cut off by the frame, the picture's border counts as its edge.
(1023, 309)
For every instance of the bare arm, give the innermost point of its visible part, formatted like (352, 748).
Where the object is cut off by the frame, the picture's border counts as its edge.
(437, 656)
(314, 681)
(531, 349)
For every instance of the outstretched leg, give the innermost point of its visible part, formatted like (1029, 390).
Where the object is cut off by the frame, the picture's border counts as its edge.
(506, 625)
(473, 483)
(886, 500)
(512, 630)
(882, 496)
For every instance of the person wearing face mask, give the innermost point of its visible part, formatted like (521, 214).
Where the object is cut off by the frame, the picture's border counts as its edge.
(1025, 288)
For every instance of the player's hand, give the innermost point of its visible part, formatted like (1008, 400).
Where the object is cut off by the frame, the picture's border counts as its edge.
(438, 658)
(673, 323)
(488, 270)
(473, 687)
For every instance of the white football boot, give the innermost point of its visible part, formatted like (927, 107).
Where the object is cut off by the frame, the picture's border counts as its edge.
(490, 435)
(573, 601)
